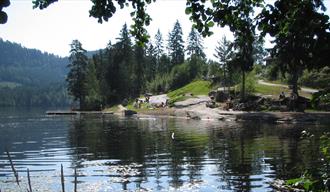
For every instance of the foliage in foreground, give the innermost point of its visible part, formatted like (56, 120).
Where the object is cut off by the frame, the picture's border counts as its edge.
(320, 181)
(321, 100)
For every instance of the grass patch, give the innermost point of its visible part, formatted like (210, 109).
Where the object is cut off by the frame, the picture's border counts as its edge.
(192, 89)
(270, 90)
(276, 91)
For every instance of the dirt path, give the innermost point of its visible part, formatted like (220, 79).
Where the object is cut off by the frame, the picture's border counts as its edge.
(307, 90)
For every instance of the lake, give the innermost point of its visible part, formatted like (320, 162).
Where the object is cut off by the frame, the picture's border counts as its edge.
(151, 154)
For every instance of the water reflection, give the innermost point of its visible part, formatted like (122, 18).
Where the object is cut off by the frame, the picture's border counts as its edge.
(117, 154)
(204, 155)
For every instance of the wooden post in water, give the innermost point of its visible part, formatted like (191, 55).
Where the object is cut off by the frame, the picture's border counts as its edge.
(12, 167)
(29, 180)
(62, 179)
(75, 179)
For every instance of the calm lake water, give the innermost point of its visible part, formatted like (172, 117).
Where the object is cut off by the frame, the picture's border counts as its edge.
(116, 154)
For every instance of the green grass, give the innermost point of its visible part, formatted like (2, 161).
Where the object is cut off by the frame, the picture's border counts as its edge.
(275, 91)
(270, 90)
(194, 88)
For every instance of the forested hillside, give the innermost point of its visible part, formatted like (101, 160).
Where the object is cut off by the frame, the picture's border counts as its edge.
(29, 77)
(30, 66)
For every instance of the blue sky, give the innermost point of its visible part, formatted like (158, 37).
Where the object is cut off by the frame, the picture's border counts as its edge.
(54, 28)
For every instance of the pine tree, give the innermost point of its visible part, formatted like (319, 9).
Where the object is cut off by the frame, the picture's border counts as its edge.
(151, 62)
(93, 92)
(159, 45)
(224, 52)
(77, 75)
(120, 73)
(139, 70)
(159, 52)
(176, 45)
(195, 44)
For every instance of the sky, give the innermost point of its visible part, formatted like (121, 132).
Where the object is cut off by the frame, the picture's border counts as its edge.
(53, 29)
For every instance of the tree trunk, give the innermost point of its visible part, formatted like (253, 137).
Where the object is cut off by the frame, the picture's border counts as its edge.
(224, 81)
(243, 86)
(294, 82)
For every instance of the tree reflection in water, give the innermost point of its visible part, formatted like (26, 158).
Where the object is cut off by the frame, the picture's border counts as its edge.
(203, 155)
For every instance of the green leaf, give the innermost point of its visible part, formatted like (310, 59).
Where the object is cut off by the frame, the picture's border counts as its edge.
(188, 10)
(293, 181)
(210, 24)
(3, 17)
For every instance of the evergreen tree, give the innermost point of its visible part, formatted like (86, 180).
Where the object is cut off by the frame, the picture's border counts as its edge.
(175, 45)
(139, 70)
(259, 52)
(151, 62)
(164, 65)
(77, 75)
(93, 92)
(121, 68)
(101, 64)
(243, 57)
(159, 45)
(224, 52)
(159, 52)
(195, 44)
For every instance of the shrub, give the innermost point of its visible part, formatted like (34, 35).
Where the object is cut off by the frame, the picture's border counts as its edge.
(250, 83)
(160, 84)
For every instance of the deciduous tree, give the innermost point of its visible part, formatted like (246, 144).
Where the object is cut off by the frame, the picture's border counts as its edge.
(301, 35)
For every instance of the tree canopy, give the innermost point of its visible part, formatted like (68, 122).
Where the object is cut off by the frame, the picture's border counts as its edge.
(3, 15)
(301, 35)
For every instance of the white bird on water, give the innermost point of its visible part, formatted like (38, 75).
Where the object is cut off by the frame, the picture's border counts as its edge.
(172, 135)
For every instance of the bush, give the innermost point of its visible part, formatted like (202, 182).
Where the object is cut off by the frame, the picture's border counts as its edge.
(160, 84)
(321, 100)
(317, 79)
(250, 83)
(180, 75)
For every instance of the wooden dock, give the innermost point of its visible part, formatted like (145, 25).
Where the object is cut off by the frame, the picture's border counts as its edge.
(78, 112)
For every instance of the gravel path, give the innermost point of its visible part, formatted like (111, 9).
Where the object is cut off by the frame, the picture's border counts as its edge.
(307, 90)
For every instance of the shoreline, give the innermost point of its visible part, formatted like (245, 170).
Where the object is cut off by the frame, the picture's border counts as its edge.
(201, 112)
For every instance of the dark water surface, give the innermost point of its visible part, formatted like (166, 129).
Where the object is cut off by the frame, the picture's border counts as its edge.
(116, 154)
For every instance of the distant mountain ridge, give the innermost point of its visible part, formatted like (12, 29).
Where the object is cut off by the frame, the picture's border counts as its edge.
(30, 66)
(29, 77)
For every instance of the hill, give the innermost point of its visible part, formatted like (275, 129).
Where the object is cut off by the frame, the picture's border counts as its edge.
(29, 77)
(30, 67)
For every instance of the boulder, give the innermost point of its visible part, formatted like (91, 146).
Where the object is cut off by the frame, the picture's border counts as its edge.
(211, 104)
(129, 112)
